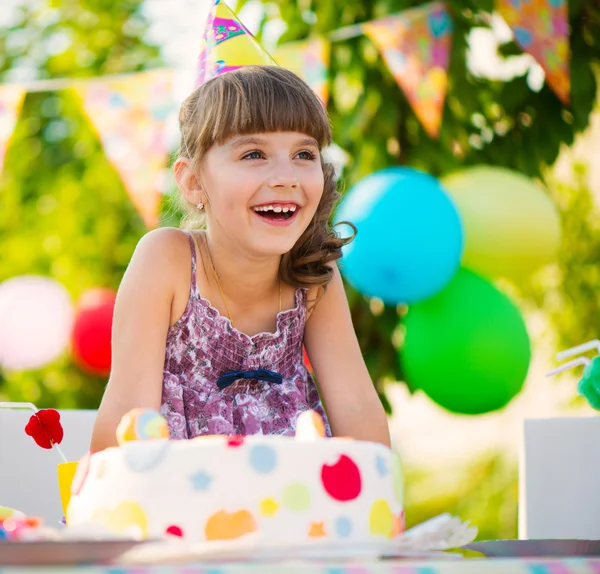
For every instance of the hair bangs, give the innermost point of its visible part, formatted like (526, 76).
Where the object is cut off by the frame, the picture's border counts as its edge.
(261, 99)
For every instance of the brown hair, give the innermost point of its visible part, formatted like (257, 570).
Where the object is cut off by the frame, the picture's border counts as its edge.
(260, 99)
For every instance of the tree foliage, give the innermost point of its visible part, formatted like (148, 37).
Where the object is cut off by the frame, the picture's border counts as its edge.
(57, 179)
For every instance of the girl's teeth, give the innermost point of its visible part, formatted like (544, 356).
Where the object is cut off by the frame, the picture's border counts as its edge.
(276, 209)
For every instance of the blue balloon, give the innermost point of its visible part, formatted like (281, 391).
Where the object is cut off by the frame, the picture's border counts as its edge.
(410, 238)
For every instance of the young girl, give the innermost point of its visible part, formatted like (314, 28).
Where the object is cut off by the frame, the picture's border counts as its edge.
(209, 324)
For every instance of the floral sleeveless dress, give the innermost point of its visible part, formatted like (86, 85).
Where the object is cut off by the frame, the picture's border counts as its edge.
(203, 345)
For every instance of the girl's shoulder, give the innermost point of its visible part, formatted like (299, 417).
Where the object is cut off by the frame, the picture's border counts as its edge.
(166, 246)
(163, 256)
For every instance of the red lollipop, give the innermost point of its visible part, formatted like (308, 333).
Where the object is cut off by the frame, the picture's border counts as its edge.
(45, 428)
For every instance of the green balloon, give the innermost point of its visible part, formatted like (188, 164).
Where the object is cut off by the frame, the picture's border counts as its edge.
(467, 347)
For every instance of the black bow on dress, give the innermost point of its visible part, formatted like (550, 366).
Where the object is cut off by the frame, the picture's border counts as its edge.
(260, 374)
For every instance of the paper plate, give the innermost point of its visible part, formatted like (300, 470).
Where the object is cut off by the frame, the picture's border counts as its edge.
(251, 549)
(535, 548)
(63, 552)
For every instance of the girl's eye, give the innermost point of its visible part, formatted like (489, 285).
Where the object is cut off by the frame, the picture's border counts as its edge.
(305, 154)
(253, 155)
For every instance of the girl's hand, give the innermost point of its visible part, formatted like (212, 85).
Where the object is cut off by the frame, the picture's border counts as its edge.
(351, 401)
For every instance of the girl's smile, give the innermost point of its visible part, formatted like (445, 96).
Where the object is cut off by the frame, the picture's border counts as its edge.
(277, 212)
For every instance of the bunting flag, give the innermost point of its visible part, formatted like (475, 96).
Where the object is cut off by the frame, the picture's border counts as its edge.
(415, 45)
(308, 59)
(227, 45)
(130, 116)
(541, 28)
(11, 100)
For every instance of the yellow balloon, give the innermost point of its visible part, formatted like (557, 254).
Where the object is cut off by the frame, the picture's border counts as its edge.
(511, 226)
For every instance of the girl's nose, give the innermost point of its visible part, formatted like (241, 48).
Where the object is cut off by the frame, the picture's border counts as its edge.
(283, 175)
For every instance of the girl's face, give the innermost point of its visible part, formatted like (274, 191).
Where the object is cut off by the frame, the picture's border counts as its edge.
(263, 189)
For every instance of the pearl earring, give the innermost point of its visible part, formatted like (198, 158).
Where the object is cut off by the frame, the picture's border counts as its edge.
(200, 206)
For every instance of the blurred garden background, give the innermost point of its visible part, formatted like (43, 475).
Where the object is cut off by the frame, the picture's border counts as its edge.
(69, 212)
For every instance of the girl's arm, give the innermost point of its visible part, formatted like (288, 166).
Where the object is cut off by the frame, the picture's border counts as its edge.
(352, 404)
(140, 324)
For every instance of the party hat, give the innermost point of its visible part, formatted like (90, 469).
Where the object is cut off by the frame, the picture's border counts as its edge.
(227, 45)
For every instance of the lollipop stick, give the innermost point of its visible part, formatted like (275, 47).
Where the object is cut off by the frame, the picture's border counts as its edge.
(31, 407)
(590, 345)
(566, 366)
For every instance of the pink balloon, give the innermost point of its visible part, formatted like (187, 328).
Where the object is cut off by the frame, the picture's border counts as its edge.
(36, 317)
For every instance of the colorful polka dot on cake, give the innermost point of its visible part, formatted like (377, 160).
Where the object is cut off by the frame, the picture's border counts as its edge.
(296, 496)
(174, 530)
(142, 424)
(200, 480)
(268, 507)
(382, 468)
(228, 526)
(398, 525)
(234, 441)
(263, 458)
(317, 530)
(142, 456)
(381, 519)
(342, 479)
(126, 517)
(343, 527)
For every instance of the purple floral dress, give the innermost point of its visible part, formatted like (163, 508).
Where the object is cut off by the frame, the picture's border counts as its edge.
(203, 345)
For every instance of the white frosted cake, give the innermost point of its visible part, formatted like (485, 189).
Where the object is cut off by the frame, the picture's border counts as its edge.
(287, 490)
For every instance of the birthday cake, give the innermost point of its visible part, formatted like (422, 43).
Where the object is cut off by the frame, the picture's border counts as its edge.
(285, 490)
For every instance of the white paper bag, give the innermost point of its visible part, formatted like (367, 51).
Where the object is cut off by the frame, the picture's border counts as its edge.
(559, 479)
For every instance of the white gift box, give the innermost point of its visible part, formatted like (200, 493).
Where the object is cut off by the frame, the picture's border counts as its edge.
(559, 479)
(28, 473)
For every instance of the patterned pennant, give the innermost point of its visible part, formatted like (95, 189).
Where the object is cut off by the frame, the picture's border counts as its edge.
(130, 116)
(227, 45)
(308, 59)
(11, 100)
(541, 28)
(416, 48)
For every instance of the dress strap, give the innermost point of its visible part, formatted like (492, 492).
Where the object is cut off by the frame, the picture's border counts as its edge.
(193, 285)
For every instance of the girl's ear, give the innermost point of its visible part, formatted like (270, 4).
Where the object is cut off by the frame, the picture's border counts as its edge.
(188, 181)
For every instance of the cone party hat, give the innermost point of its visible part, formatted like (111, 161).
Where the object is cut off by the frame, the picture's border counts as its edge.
(227, 45)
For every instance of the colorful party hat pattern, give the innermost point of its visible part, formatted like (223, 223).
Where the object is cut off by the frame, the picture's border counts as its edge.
(227, 45)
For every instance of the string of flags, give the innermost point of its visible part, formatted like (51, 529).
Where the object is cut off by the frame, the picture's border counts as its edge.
(414, 44)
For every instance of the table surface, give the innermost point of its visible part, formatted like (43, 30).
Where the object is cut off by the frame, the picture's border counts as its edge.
(466, 566)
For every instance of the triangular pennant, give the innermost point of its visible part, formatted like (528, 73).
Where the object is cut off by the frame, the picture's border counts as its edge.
(308, 59)
(227, 45)
(415, 45)
(541, 28)
(11, 100)
(129, 115)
